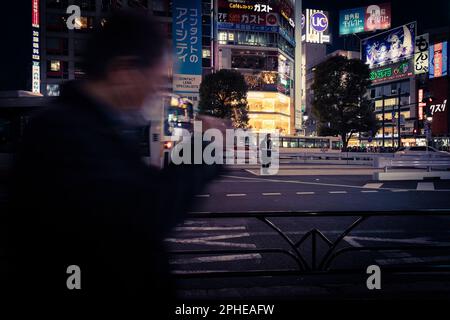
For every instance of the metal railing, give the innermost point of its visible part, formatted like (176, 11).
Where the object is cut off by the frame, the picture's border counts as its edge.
(414, 163)
(318, 261)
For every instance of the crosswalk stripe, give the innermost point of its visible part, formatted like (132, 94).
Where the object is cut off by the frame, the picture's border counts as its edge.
(425, 186)
(372, 185)
(222, 258)
(210, 228)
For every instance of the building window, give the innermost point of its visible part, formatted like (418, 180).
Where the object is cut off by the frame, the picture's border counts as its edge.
(55, 65)
(56, 22)
(84, 23)
(142, 4)
(88, 5)
(79, 46)
(57, 46)
(79, 71)
(57, 69)
(53, 90)
(160, 8)
(56, 4)
(206, 53)
(223, 37)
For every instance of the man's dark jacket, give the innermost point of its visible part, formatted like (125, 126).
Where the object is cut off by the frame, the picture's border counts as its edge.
(82, 196)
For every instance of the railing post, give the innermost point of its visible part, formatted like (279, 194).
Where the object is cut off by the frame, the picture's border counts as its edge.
(314, 250)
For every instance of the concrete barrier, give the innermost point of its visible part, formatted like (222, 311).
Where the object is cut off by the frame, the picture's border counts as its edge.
(410, 175)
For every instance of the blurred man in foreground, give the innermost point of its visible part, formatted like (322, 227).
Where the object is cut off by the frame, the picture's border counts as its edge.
(82, 195)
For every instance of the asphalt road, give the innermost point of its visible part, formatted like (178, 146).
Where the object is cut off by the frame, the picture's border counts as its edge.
(240, 191)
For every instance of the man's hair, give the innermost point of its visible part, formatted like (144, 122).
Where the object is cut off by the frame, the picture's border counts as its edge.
(124, 34)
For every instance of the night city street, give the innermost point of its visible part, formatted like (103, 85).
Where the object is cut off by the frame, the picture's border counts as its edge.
(225, 159)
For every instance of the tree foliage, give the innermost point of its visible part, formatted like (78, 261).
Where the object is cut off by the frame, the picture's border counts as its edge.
(340, 101)
(223, 94)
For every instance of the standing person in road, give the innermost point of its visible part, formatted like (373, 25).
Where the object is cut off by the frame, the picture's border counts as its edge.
(266, 152)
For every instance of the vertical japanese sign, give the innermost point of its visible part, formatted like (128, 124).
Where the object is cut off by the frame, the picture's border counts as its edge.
(35, 69)
(187, 45)
(421, 54)
(421, 104)
(438, 63)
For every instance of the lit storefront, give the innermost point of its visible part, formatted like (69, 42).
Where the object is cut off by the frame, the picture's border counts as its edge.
(269, 111)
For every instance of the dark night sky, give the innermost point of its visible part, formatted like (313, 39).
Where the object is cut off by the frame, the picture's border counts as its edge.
(428, 14)
(17, 33)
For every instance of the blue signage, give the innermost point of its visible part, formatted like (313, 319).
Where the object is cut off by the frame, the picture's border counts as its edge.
(351, 21)
(438, 60)
(319, 21)
(187, 36)
(246, 27)
(389, 47)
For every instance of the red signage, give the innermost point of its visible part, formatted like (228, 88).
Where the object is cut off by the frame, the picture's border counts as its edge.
(269, 19)
(422, 104)
(438, 60)
(438, 106)
(378, 17)
(35, 13)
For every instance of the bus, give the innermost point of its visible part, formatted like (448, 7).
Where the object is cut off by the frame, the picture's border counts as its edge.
(301, 144)
(161, 134)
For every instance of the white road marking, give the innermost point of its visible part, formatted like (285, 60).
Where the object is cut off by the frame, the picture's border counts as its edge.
(411, 260)
(321, 184)
(425, 186)
(209, 228)
(202, 196)
(236, 194)
(419, 240)
(212, 241)
(372, 185)
(271, 194)
(369, 191)
(305, 193)
(337, 192)
(352, 242)
(222, 258)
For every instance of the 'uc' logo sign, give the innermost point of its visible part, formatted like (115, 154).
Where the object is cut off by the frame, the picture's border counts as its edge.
(319, 21)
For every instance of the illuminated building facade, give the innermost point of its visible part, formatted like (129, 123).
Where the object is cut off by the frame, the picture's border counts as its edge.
(256, 38)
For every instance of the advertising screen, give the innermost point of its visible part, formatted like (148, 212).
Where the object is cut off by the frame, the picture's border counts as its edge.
(393, 72)
(365, 19)
(389, 47)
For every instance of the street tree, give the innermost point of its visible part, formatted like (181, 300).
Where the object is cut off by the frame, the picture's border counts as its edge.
(223, 94)
(340, 103)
